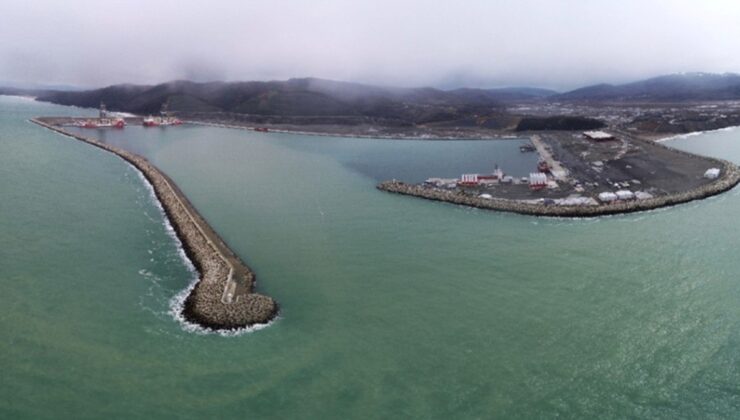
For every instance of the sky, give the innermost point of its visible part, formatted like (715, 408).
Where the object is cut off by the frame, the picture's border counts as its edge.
(559, 44)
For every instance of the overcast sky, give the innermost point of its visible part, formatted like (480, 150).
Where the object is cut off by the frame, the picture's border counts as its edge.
(548, 43)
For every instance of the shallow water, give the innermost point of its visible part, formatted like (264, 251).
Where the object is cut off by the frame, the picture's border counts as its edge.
(391, 306)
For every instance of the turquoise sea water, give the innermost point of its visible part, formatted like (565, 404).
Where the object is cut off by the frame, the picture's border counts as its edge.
(391, 306)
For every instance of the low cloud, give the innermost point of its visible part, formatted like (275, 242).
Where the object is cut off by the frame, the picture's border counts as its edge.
(557, 44)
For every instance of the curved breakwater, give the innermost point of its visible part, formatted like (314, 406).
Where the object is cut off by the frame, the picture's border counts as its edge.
(730, 177)
(223, 298)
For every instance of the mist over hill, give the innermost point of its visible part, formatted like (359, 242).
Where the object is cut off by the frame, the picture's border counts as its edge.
(669, 88)
(312, 100)
(299, 97)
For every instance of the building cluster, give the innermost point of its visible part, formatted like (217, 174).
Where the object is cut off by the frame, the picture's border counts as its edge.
(623, 195)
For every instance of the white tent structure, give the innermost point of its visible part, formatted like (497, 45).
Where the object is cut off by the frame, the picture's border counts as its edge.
(642, 195)
(469, 179)
(625, 195)
(712, 173)
(608, 197)
(537, 179)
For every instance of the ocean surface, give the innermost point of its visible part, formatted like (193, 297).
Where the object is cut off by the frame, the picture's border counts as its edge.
(390, 306)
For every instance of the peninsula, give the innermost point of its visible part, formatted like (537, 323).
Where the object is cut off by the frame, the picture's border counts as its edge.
(584, 175)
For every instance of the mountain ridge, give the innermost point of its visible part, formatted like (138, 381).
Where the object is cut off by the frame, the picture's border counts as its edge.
(334, 100)
(671, 87)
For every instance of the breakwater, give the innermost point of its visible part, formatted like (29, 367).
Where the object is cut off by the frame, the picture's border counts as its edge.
(730, 177)
(224, 296)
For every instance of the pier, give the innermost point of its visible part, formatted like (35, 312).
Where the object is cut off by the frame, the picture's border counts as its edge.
(556, 169)
(224, 296)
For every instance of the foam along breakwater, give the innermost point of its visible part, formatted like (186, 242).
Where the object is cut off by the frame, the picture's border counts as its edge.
(729, 178)
(224, 297)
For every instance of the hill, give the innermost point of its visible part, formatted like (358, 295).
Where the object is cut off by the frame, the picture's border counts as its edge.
(307, 97)
(670, 88)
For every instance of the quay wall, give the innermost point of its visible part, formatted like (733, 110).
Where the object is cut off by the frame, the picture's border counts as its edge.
(223, 298)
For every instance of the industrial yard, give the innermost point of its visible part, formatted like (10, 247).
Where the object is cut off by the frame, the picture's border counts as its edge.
(588, 170)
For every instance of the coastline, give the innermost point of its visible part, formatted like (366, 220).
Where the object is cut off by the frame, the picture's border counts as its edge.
(466, 135)
(223, 297)
(693, 133)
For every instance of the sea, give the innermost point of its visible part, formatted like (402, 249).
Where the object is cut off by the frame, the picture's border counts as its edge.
(390, 306)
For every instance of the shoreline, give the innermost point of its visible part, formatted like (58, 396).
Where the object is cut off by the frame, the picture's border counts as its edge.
(223, 297)
(379, 136)
(694, 133)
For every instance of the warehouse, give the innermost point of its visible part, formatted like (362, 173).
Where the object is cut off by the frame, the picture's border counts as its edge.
(598, 135)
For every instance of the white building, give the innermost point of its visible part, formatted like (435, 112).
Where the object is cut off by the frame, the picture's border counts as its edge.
(598, 135)
(469, 179)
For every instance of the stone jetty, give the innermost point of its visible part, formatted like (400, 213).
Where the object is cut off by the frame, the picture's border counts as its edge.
(730, 177)
(224, 297)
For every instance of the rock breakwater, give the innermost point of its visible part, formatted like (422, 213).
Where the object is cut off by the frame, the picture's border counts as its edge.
(224, 296)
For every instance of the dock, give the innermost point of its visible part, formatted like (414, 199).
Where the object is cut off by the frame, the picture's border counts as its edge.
(556, 169)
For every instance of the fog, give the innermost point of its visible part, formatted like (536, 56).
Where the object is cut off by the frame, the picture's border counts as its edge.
(554, 44)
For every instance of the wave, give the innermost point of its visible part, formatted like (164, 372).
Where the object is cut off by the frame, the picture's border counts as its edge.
(697, 133)
(177, 305)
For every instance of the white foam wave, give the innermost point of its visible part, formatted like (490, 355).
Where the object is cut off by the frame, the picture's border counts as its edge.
(177, 303)
(696, 133)
(168, 226)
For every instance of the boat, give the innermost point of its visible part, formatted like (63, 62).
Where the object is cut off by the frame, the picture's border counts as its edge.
(542, 166)
(163, 120)
(169, 121)
(115, 123)
(527, 148)
(105, 120)
(150, 122)
(261, 129)
(111, 123)
(497, 174)
(160, 121)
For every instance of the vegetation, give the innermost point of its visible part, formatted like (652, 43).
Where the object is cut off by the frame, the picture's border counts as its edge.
(558, 123)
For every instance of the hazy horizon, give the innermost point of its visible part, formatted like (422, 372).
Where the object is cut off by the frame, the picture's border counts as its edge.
(558, 45)
(520, 86)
